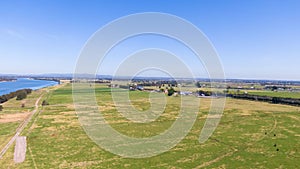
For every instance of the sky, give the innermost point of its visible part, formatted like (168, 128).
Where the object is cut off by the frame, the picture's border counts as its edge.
(257, 39)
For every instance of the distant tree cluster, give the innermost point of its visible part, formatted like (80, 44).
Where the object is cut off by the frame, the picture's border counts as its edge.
(198, 84)
(210, 93)
(204, 93)
(275, 88)
(275, 100)
(20, 94)
(160, 83)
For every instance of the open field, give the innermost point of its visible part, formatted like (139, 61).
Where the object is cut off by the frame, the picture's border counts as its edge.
(13, 115)
(284, 94)
(245, 137)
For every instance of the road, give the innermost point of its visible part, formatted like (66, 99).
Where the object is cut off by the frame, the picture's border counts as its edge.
(20, 128)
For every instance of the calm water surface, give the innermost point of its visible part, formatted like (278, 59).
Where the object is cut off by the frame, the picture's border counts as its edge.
(7, 87)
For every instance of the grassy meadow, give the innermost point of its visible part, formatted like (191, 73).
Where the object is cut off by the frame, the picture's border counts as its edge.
(13, 114)
(285, 94)
(250, 135)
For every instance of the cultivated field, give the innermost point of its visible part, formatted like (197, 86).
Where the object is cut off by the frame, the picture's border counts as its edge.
(250, 135)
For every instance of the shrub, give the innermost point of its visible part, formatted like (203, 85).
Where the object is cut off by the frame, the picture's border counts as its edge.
(45, 103)
(171, 91)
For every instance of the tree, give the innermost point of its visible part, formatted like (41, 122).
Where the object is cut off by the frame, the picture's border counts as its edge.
(171, 91)
(1, 107)
(274, 88)
(204, 93)
(45, 103)
(198, 84)
(21, 95)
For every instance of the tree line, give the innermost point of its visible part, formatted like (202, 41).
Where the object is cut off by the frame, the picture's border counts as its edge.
(20, 94)
(274, 100)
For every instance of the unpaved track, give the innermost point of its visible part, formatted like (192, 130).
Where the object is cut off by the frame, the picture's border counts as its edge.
(20, 149)
(20, 128)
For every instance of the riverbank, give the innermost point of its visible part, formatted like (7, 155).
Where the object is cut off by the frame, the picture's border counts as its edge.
(6, 80)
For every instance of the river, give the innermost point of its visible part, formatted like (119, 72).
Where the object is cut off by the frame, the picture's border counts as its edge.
(24, 83)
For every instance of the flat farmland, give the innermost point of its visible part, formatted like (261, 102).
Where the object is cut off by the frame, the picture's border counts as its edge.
(250, 135)
(284, 94)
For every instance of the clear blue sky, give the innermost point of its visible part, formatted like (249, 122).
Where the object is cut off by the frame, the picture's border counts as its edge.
(257, 39)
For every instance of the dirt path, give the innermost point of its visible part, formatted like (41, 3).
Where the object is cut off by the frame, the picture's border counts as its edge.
(20, 128)
(20, 149)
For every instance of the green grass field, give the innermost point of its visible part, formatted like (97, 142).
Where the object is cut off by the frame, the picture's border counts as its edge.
(245, 137)
(284, 94)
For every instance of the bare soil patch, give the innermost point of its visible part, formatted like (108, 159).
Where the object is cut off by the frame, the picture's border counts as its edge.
(7, 118)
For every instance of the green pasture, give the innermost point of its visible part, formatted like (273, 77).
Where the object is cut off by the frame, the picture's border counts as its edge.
(284, 94)
(250, 135)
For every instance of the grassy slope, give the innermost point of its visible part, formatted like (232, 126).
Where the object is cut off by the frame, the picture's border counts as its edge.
(244, 139)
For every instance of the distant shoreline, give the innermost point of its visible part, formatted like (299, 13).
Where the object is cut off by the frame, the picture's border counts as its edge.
(6, 80)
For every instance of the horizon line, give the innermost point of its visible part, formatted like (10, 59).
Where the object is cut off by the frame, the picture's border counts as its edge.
(53, 75)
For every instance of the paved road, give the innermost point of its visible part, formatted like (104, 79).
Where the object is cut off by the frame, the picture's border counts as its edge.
(20, 128)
